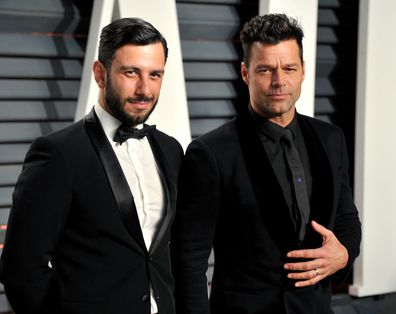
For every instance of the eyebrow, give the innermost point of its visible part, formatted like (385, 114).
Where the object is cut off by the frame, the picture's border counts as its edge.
(128, 67)
(137, 69)
(264, 65)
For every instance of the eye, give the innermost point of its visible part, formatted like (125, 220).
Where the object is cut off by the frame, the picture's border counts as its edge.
(263, 70)
(130, 72)
(156, 75)
(290, 70)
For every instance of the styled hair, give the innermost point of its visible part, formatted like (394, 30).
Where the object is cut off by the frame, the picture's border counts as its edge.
(270, 29)
(126, 31)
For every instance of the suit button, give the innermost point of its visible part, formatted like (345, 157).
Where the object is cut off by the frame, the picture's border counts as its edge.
(145, 298)
(149, 259)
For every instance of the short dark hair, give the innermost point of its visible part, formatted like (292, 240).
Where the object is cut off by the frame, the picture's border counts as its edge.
(270, 29)
(126, 31)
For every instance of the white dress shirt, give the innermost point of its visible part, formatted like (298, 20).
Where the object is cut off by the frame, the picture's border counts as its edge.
(142, 174)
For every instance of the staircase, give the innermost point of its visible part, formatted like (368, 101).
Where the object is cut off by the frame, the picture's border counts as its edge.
(42, 46)
(212, 55)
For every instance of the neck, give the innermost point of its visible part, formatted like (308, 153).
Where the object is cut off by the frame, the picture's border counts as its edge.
(281, 120)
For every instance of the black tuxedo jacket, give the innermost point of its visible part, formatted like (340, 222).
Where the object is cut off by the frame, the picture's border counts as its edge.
(72, 206)
(229, 197)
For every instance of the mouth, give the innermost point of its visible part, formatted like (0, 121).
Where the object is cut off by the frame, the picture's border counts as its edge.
(278, 96)
(139, 103)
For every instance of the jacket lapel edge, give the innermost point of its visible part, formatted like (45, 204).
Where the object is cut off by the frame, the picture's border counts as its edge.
(116, 178)
(161, 160)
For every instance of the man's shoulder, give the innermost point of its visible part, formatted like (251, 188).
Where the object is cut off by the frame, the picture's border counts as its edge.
(70, 132)
(320, 126)
(169, 146)
(71, 138)
(219, 141)
(221, 133)
(167, 139)
(164, 136)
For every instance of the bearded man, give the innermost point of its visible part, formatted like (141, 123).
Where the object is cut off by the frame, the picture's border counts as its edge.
(89, 227)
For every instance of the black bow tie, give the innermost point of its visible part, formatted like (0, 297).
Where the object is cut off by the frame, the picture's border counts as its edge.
(125, 132)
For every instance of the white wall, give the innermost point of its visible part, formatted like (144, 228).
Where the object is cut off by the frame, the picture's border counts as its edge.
(102, 13)
(171, 113)
(375, 155)
(306, 12)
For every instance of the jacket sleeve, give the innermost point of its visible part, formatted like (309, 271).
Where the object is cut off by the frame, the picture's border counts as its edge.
(347, 227)
(41, 201)
(194, 227)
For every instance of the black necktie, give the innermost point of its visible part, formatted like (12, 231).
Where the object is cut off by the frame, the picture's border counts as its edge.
(300, 188)
(125, 132)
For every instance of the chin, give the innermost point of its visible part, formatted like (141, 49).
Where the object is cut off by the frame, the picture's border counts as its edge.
(139, 118)
(281, 109)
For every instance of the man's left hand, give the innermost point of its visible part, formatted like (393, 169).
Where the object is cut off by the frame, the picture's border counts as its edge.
(323, 262)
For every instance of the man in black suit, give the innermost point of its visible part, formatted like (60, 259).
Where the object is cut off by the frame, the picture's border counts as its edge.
(89, 228)
(278, 238)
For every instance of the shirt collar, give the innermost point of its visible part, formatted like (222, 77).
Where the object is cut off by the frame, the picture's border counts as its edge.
(109, 123)
(270, 129)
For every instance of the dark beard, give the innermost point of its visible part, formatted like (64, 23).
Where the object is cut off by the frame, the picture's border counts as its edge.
(115, 105)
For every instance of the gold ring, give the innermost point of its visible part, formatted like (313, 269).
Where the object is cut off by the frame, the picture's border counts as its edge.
(316, 272)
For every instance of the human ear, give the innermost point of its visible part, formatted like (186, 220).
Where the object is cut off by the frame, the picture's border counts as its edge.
(99, 72)
(244, 72)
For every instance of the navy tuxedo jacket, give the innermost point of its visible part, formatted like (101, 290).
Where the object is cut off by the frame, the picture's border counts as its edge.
(72, 206)
(229, 197)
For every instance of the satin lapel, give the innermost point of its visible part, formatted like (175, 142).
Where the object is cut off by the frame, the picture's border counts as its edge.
(169, 189)
(115, 175)
(268, 192)
(323, 181)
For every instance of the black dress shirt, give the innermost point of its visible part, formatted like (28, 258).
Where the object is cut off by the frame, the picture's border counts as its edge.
(270, 134)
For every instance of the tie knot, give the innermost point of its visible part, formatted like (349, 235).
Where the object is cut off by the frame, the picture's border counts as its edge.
(287, 135)
(124, 132)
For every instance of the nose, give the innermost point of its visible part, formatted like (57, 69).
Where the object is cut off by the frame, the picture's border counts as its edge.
(278, 79)
(142, 85)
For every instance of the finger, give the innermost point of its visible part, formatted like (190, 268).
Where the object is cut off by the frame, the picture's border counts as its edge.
(309, 282)
(306, 275)
(309, 253)
(324, 232)
(303, 266)
(312, 278)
